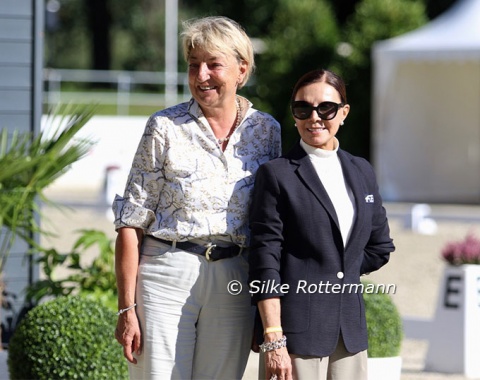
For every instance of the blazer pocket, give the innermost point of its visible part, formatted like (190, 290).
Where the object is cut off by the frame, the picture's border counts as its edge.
(296, 315)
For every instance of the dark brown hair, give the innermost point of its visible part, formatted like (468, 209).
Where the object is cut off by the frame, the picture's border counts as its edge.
(321, 75)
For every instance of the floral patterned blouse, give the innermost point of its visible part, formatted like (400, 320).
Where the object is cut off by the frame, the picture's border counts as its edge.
(182, 186)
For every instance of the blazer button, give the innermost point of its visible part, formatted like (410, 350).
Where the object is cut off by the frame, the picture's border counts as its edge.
(340, 275)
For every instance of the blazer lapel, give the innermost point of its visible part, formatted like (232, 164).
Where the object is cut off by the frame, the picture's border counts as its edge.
(309, 177)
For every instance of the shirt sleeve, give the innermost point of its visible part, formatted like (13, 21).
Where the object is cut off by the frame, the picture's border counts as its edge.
(137, 206)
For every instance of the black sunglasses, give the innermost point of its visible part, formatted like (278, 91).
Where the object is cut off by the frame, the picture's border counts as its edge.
(326, 110)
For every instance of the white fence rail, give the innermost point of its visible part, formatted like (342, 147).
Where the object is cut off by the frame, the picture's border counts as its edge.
(124, 91)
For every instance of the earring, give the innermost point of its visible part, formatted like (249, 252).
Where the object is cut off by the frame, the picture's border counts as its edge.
(342, 123)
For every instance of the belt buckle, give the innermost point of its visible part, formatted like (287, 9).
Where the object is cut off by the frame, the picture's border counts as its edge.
(208, 252)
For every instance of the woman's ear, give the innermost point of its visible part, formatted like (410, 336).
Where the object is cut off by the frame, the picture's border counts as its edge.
(345, 111)
(243, 66)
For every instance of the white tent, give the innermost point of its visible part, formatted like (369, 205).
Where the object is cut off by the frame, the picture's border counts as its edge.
(426, 110)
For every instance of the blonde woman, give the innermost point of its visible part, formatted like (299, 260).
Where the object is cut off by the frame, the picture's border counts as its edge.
(183, 220)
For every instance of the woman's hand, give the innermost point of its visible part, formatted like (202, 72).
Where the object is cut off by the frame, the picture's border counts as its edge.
(278, 364)
(127, 254)
(128, 335)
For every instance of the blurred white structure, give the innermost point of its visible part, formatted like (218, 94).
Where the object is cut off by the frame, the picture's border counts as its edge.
(426, 117)
(420, 220)
(104, 170)
(453, 334)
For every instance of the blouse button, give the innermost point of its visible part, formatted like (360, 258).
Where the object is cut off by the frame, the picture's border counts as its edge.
(340, 275)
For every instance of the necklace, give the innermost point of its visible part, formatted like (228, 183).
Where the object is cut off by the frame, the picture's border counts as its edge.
(237, 123)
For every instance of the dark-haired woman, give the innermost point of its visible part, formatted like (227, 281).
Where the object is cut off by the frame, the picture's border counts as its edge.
(318, 224)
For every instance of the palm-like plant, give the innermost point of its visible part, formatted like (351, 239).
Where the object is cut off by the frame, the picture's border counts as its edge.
(29, 164)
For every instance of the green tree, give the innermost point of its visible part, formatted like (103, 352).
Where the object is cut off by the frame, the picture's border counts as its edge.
(302, 36)
(138, 35)
(254, 15)
(66, 39)
(106, 34)
(373, 20)
(297, 36)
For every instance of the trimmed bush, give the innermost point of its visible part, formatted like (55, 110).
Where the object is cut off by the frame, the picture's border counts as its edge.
(67, 338)
(384, 324)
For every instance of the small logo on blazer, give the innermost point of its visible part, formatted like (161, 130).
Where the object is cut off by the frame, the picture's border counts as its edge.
(369, 198)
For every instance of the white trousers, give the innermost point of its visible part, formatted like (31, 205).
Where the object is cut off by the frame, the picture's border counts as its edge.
(192, 327)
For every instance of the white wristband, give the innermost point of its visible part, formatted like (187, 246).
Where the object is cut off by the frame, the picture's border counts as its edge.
(121, 311)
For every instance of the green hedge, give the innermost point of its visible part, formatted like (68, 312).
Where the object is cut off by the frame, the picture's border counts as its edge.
(384, 325)
(67, 338)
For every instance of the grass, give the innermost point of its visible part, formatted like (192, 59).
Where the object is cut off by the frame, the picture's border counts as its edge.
(110, 109)
(140, 101)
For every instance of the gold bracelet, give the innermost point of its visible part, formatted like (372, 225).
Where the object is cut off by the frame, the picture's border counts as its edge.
(273, 329)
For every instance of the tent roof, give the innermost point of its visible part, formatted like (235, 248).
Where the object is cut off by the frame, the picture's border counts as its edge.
(454, 34)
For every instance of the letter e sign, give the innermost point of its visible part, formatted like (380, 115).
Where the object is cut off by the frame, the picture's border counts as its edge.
(451, 289)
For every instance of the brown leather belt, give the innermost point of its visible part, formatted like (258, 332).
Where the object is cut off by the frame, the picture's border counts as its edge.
(211, 252)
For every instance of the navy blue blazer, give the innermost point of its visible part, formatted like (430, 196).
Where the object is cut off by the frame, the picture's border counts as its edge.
(296, 240)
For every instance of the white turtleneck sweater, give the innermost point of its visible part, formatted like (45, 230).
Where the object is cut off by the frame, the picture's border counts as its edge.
(329, 170)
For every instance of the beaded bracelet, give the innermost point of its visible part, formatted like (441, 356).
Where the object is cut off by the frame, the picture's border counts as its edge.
(271, 346)
(121, 311)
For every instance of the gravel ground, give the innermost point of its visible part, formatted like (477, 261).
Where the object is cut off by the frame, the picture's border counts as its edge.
(415, 267)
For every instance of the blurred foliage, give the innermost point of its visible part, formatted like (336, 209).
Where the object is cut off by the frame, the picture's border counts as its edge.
(296, 43)
(372, 21)
(94, 279)
(384, 322)
(136, 38)
(135, 30)
(66, 36)
(379, 20)
(30, 164)
(298, 36)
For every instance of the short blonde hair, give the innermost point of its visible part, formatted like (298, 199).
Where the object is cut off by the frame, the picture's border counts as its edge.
(218, 33)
